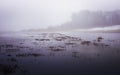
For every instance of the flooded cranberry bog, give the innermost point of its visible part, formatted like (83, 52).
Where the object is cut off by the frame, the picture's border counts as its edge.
(59, 53)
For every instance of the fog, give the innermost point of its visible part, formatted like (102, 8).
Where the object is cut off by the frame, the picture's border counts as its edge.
(18, 15)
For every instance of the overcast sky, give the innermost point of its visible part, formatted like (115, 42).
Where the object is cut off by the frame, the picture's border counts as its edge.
(28, 14)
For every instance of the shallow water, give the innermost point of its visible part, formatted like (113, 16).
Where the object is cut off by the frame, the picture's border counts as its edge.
(59, 53)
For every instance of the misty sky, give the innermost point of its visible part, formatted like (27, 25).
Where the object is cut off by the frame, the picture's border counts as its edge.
(28, 14)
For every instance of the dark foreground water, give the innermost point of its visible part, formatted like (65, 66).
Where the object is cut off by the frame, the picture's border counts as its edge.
(60, 54)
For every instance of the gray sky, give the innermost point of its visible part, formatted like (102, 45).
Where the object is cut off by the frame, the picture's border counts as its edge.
(28, 14)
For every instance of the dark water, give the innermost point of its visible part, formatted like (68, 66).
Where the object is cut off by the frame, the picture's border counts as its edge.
(27, 55)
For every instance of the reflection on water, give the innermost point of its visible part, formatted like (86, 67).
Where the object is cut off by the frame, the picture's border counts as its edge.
(59, 54)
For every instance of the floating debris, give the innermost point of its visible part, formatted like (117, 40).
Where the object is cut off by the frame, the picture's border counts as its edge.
(12, 50)
(29, 54)
(85, 42)
(70, 43)
(59, 48)
(42, 39)
(60, 38)
(99, 39)
(6, 46)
